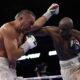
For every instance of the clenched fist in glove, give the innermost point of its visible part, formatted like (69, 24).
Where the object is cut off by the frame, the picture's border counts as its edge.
(53, 9)
(29, 43)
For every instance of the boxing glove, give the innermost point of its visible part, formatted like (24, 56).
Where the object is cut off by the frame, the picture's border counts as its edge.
(75, 45)
(30, 42)
(53, 9)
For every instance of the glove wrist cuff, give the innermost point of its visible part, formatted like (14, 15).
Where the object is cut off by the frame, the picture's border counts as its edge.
(47, 15)
(25, 47)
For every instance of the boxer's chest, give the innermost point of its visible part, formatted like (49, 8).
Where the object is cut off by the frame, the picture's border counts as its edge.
(66, 44)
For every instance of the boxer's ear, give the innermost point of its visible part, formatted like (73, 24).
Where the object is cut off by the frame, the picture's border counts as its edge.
(20, 18)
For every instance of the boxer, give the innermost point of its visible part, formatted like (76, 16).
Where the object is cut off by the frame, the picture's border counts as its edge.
(11, 35)
(66, 41)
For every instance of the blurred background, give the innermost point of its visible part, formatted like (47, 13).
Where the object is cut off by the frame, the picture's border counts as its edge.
(68, 8)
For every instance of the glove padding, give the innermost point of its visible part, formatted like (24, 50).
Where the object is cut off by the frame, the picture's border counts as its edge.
(75, 46)
(53, 9)
(29, 43)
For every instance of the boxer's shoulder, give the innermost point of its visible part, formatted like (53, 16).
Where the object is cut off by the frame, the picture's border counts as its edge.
(8, 30)
(75, 32)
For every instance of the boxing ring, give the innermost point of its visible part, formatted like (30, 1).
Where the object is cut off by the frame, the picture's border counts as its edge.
(45, 77)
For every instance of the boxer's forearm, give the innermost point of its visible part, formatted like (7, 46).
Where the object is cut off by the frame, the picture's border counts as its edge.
(15, 55)
(18, 53)
(53, 9)
(40, 33)
(30, 42)
(40, 21)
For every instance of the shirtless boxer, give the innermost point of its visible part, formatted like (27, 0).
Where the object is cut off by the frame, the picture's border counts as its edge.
(11, 34)
(67, 44)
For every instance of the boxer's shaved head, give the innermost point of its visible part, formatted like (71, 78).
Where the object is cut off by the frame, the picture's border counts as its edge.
(66, 22)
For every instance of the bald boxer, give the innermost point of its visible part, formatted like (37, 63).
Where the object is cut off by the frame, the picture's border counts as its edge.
(66, 41)
(11, 34)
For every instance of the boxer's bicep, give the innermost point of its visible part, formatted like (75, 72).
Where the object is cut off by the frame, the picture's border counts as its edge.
(10, 46)
(39, 22)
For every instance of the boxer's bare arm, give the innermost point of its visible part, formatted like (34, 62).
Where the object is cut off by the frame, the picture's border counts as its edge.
(11, 46)
(53, 9)
(38, 24)
(40, 21)
(47, 30)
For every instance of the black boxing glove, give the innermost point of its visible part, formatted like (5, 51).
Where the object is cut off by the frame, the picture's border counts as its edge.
(75, 45)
